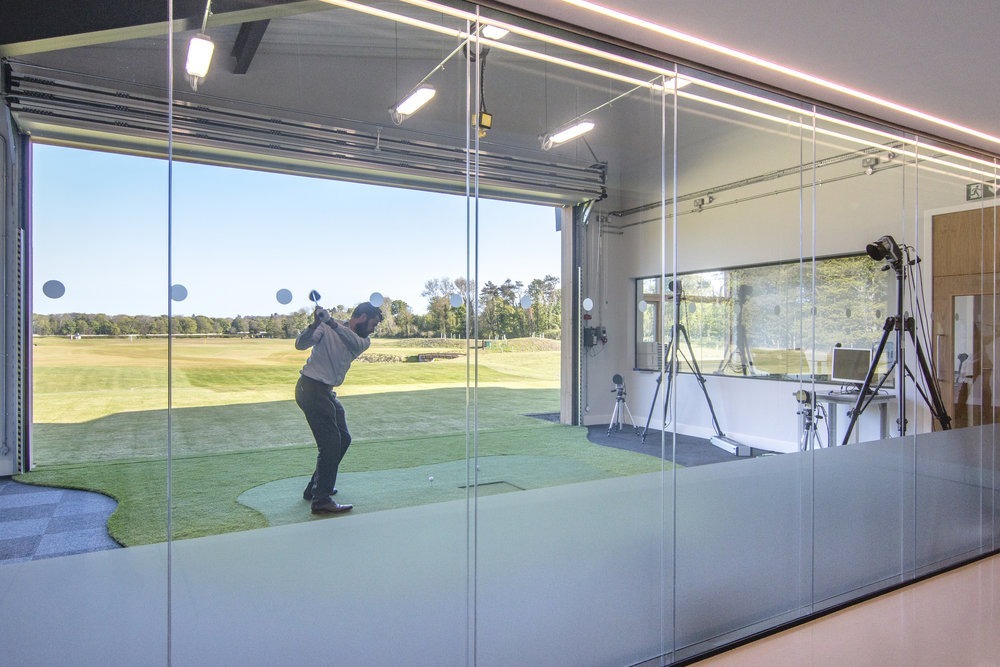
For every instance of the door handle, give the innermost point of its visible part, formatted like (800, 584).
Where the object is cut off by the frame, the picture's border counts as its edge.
(940, 342)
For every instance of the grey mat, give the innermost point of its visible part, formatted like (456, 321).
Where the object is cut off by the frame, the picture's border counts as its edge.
(685, 451)
(44, 522)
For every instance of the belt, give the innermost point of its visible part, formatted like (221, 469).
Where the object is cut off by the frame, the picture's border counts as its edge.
(328, 387)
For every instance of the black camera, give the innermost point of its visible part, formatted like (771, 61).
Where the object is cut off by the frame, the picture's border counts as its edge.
(884, 248)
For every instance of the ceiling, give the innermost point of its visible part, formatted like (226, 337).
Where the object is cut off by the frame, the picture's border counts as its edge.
(326, 76)
(936, 57)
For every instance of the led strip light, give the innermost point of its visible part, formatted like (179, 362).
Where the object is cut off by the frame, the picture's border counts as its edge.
(766, 64)
(989, 168)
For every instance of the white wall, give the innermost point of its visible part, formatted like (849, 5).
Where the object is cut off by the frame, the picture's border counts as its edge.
(757, 223)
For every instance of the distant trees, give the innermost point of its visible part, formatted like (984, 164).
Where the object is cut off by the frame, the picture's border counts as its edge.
(440, 315)
(502, 311)
(500, 307)
(100, 324)
(70, 324)
(501, 314)
(403, 318)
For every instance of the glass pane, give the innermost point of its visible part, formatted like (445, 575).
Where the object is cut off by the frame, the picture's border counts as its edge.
(570, 494)
(744, 257)
(860, 472)
(93, 509)
(301, 194)
(960, 231)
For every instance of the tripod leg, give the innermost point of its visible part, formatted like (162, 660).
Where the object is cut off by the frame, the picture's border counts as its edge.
(614, 415)
(693, 363)
(631, 419)
(746, 356)
(890, 325)
(804, 436)
(935, 402)
(649, 417)
(666, 401)
(668, 355)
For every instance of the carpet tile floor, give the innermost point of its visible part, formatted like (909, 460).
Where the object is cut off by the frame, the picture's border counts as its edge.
(44, 522)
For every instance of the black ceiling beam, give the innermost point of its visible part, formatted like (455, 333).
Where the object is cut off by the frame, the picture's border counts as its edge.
(23, 22)
(30, 20)
(246, 44)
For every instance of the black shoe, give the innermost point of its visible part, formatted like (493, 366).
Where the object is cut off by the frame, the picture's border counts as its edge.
(328, 506)
(308, 493)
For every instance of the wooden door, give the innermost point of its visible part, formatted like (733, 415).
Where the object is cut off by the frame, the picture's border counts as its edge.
(965, 314)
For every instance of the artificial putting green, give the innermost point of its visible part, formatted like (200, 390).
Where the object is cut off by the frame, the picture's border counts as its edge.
(281, 501)
(102, 424)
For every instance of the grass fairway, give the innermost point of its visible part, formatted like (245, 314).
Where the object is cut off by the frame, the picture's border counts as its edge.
(101, 422)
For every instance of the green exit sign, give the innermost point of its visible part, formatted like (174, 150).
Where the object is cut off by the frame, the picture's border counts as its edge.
(975, 191)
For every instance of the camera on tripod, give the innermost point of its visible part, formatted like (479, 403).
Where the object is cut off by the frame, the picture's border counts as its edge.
(809, 413)
(902, 327)
(884, 247)
(621, 407)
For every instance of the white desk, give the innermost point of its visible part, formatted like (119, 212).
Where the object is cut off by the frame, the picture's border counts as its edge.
(835, 397)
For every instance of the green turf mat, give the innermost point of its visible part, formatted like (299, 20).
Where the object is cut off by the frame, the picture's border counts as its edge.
(281, 501)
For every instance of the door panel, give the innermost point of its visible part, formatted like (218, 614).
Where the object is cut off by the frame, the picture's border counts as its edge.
(966, 349)
(965, 289)
(964, 243)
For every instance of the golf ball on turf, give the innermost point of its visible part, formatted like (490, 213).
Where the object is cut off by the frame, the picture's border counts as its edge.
(431, 478)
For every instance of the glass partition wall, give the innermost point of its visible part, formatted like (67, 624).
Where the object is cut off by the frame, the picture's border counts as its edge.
(392, 223)
(96, 380)
(600, 420)
(568, 555)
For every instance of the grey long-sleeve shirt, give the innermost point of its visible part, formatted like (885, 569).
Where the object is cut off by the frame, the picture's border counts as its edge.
(334, 348)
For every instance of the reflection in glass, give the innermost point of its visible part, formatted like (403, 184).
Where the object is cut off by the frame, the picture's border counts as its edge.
(739, 319)
(974, 341)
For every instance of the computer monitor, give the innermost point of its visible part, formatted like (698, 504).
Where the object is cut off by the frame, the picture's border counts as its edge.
(850, 364)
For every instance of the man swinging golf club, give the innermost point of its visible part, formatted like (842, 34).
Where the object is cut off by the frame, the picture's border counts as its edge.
(334, 346)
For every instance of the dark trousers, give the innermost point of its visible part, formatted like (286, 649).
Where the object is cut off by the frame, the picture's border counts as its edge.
(325, 416)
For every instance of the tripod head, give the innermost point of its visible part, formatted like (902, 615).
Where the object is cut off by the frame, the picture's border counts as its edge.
(886, 248)
(619, 383)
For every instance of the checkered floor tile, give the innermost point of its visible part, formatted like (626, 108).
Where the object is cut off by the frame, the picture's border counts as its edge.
(42, 522)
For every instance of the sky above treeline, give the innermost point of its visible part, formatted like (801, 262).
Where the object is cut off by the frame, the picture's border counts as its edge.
(238, 238)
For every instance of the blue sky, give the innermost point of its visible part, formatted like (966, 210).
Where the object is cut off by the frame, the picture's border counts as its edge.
(100, 228)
